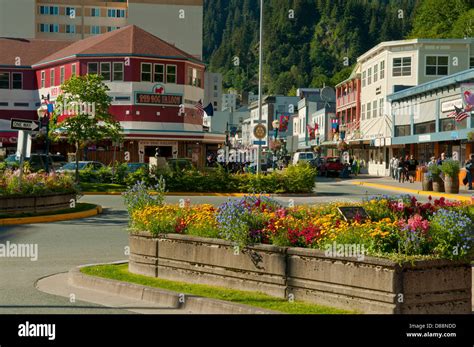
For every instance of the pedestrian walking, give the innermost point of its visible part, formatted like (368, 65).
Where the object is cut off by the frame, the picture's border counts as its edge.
(469, 166)
(392, 167)
(412, 166)
(396, 163)
(400, 172)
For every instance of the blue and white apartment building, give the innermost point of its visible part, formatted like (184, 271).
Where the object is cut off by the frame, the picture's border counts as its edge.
(424, 118)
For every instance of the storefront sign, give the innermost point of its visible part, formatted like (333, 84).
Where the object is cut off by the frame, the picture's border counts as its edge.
(448, 106)
(424, 138)
(158, 99)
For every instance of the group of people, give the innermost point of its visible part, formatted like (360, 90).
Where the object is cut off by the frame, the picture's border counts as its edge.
(403, 168)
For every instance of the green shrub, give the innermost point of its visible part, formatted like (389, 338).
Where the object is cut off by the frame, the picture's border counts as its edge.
(120, 173)
(451, 168)
(435, 170)
(299, 178)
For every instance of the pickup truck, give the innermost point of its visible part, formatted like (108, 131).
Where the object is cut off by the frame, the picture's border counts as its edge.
(330, 165)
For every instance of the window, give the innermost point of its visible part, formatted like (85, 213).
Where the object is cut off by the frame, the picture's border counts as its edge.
(62, 75)
(170, 73)
(95, 30)
(363, 78)
(402, 130)
(105, 71)
(52, 10)
(369, 110)
(43, 79)
(4, 80)
(374, 109)
(43, 28)
(109, 29)
(369, 76)
(376, 68)
(190, 76)
(382, 69)
(52, 79)
(95, 12)
(92, 68)
(118, 71)
(437, 65)
(471, 63)
(159, 73)
(450, 124)
(401, 67)
(425, 128)
(70, 29)
(71, 12)
(115, 13)
(381, 104)
(362, 113)
(73, 70)
(146, 72)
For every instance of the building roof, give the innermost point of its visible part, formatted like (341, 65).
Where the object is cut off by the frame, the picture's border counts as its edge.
(459, 77)
(29, 51)
(355, 74)
(127, 41)
(383, 45)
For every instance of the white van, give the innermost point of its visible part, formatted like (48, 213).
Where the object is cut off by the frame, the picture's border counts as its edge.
(303, 157)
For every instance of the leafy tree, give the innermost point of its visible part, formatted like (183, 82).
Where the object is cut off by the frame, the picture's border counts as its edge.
(90, 120)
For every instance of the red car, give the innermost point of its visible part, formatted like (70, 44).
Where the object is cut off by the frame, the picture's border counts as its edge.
(331, 165)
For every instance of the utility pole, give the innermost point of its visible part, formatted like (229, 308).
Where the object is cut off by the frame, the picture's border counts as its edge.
(260, 81)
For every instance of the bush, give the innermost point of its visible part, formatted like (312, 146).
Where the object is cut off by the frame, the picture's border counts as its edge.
(299, 178)
(451, 168)
(120, 174)
(435, 170)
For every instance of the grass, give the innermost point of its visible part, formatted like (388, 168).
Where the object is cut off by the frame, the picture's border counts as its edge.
(79, 208)
(256, 299)
(102, 187)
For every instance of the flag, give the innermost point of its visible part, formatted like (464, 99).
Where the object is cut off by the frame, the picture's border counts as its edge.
(335, 125)
(459, 114)
(199, 108)
(209, 109)
(311, 132)
(283, 123)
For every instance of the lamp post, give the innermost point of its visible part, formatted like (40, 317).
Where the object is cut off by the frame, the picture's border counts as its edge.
(44, 114)
(276, 127)
(260, 81)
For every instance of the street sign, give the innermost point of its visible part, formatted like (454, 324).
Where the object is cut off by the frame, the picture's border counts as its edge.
(24, 124)
(259, 143)
(260, 131)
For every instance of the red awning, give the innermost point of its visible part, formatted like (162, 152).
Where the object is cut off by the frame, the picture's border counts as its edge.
(8, 137)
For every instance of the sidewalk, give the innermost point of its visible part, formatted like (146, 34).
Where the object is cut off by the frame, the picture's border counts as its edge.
(409, 188)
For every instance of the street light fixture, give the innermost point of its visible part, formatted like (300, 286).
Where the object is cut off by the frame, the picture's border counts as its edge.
(276, 127)
(44, 113)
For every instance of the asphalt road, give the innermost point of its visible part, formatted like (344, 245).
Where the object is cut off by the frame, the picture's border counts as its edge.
(64, 245)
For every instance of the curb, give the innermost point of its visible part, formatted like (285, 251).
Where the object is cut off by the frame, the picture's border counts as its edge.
(52, 218)
(415, 191)
(160, 297)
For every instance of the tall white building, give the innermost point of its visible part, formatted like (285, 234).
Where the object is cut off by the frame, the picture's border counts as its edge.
(395, 65)
(229, 101)
(213, 90)
(178, 22)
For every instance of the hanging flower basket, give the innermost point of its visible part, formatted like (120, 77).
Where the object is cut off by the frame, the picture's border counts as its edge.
(470, 136)
(342, 146)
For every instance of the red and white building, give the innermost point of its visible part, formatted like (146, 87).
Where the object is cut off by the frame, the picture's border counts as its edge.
(154, 88)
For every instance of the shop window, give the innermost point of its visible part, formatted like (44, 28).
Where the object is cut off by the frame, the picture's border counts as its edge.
(425, 128)
(105, 71)
(402, 130)
(17, 80)
(171, 74)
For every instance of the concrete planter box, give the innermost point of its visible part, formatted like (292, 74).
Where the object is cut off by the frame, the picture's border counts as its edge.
(34, 204)
(372, 285)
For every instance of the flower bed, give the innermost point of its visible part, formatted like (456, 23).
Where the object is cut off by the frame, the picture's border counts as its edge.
(35, 192)
(407, 257)
(397, 227)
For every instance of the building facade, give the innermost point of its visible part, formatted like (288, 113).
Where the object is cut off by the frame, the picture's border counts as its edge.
(425, 120)
(213, 90)
(178, 22)
(393, 66)
(154, 88)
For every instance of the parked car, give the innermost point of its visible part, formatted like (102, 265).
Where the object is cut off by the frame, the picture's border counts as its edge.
(317, 162)
(82, 165)
(37, 162)
(134, 167)
(303, 157)
(331, 165)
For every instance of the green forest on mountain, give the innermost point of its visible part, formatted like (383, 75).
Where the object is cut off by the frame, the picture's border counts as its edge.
(311, 43)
